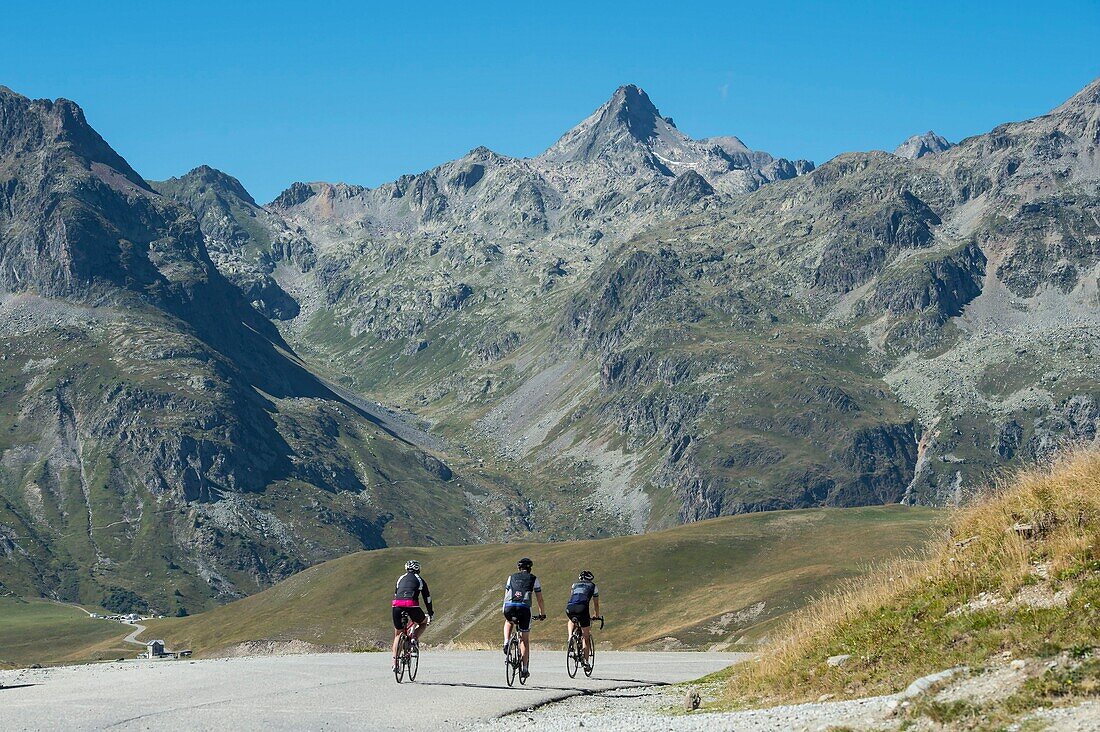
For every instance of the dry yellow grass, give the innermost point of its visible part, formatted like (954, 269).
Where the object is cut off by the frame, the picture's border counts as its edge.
(1038, 528)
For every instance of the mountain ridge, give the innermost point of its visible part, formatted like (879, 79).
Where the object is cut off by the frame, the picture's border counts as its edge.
(159, 444)
(607, 343)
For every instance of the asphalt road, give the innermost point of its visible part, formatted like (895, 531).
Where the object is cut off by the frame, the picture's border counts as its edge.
(316, 691)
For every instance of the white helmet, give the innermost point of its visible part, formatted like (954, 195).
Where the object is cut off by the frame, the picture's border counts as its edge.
(412, 566)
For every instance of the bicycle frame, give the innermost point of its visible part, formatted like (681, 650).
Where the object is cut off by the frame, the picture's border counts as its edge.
(408, 658)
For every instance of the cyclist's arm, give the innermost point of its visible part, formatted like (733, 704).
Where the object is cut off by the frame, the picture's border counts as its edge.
(596, 605)
(427, 596)
(538, 596)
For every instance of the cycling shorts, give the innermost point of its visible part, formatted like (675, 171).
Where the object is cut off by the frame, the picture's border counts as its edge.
(520, 615)
(415, 614)
(579, 614)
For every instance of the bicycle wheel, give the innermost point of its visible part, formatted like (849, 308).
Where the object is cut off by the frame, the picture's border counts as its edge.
(399, 667)
(573, 655)
(511, 661)
(412, 658)
(591, 658)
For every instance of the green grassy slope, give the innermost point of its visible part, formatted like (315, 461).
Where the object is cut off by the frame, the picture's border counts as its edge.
(720, 582)
(40, 631)
(1020, 579)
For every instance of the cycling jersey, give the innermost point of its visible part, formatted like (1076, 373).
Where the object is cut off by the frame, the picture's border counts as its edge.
(519, 588)
(582, 592)
(410, 587)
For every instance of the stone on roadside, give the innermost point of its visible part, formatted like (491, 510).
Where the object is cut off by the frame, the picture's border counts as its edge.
(838, 660)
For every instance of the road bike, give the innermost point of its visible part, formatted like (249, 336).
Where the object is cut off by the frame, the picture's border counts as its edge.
(574, 654)
(513, 657)
(408, 651)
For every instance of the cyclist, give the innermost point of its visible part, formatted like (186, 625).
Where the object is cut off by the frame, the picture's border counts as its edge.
(518, 590)
(406, 599)
(583, 591)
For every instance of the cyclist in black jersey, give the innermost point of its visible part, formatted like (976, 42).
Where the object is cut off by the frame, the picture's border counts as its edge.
(406, 600)
(583, 592)
(518, 590)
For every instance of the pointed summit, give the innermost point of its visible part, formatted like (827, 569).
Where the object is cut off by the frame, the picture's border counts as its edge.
(626, 123)
(201, 181)
(918, 146)
(631, 109)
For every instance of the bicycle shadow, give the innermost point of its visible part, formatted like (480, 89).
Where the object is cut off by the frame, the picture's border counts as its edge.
(467, 685)
(639, 682)
(5, 687)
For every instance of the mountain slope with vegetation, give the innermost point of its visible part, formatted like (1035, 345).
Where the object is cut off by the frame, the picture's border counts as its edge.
(714, 584)
(670, 329)
(1013, 596)
(633, 330)
(155, 439)
(45, 632)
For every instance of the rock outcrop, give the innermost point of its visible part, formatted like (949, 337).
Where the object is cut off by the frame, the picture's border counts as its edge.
(918, 146)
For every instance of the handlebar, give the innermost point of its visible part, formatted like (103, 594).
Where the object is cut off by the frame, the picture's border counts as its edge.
(600, 618)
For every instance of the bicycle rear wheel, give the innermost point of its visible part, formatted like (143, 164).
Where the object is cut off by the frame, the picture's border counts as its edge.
(511, 661)
(573, 656)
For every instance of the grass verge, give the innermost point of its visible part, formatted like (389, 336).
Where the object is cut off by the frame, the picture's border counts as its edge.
(1016, 576)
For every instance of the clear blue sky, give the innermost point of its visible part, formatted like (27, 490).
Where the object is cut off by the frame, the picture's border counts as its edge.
(277, 92)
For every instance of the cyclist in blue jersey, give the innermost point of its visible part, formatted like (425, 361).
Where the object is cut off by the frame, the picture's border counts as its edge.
(518, 590)
(583, 592)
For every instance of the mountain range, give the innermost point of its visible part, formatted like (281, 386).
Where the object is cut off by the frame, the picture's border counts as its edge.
(631, 330)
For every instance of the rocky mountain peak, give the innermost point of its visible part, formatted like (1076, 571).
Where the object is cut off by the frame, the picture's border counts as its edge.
(632, 109)
(626, 122)
(920, 145)
(27, 125)
(1087, 97)
(729, 144)
(206, 177)
(296, 194)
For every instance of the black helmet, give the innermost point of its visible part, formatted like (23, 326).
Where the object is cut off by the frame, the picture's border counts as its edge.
(587, 576)
(525, 563)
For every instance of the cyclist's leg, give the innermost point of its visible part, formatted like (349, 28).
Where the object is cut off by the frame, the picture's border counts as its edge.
(569, 635)
(523, 619)
(417, 616)
(525, 649)
(398, 628)
(584, 619)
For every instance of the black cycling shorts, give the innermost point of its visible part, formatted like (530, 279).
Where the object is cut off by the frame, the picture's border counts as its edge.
(579, 614)
(415, 614)
(520, 615)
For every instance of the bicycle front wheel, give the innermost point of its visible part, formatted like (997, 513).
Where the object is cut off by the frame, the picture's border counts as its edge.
(591, 658)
